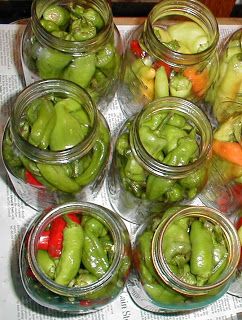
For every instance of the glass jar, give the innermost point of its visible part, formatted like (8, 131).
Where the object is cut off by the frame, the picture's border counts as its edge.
(172, 54)
(87, 49)
(85, 263)
(183, 260)
(161, 156)
(56, 145)
(225, 95)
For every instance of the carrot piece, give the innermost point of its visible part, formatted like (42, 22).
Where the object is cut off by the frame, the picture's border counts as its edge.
(199, 80)
(230, 151)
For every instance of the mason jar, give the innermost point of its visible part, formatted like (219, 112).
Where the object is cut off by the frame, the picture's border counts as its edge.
(184, 259)
(226, 167)
(76, 41)
(173, 53)
(56, 145)
(161, 157)
(225, 95)
(84, 263)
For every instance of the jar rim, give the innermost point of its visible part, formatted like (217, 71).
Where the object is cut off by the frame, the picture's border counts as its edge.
(42, 88)
(72, 47)
(37, 226)
(190, 110)
(192, 9)
(231, 238)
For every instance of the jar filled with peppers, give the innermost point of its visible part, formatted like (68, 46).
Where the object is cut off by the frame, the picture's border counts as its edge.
(56, 145)
(75, 257)
(225, 98)
(172, 54)
(184, 259)
(76, 41)
(162, 156)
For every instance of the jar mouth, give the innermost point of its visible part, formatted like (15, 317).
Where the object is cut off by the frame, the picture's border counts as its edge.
(231, 239)
(106, 216)
(65, 89)
(192, 10)
(186, 109)
(73, 47)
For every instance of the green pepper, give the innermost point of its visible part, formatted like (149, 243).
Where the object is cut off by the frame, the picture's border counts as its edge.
(82, 29)
(152, 143)
(81, 70)
(201, 262)
(176, 244)
(57, 14)
(84, 279)
(67, 131)
(161, 83)
(133, 170)
(157, 186)
(185, 152)
(180, 86)
(94, 256)
(100, 153)
(94, 17)
(96, 227)
(45, 113)
(49, 26)
(56, 175)
(190, 34)
(46, 264)
(51, 63)
(228, 87)
(71, 256)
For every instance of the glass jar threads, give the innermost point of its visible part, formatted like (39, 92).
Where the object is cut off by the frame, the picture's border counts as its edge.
(161, 156)
(76, 41)
(56, 145)
(184, 260)
(172, 54)
(84, 264)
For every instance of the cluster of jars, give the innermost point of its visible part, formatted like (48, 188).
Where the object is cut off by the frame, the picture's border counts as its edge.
(76, 256)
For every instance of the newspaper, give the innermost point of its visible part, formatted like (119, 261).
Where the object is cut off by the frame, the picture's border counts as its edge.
(15, 215)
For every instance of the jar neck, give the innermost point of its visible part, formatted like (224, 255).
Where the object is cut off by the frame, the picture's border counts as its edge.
(63, 89)
(190, 112)
(189, 9)
(231, 240)
(73, 47)
(111, 221)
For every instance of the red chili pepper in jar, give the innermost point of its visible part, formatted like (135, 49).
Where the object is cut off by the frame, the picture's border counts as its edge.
(43, 242)
(159, 63)
(32, 180)
(136, 49)
(237, 192)
(74, 216)
(56, 237)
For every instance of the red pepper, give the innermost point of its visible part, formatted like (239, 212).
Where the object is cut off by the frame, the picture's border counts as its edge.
(136, 49)
(73, 216)
(239, 223)
(32, 180)
(43, 242)
(86, 303)
(56, 237)
(159, 63)
(237, 192)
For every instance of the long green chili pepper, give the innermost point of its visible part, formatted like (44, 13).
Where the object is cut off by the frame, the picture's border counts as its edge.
(46, 264)
(202, 252)
(94, 257)
(70, 260)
